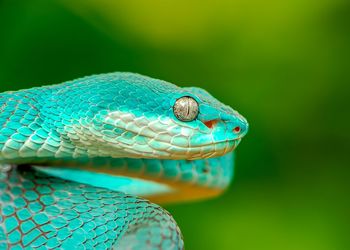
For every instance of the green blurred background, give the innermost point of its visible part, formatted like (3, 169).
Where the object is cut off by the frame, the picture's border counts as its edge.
(283, 64)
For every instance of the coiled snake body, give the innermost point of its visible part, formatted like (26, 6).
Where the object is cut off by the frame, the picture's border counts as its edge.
(75, 158)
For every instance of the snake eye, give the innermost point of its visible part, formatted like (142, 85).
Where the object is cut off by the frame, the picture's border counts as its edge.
(186, 109)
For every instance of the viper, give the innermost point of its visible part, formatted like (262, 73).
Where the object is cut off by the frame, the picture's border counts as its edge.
(76, 158)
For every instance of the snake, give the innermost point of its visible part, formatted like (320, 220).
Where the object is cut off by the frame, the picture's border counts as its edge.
(84, 163)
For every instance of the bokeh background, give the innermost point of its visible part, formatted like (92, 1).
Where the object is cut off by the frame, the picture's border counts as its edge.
(283, 64)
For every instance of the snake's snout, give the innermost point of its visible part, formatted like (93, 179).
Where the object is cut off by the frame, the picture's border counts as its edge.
(231, 129)
(239, 126)
(241, 129)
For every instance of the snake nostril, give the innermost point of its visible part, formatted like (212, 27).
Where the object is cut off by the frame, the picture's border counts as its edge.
(237, 129)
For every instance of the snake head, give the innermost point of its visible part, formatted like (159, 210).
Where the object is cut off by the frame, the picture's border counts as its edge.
(130, 115)
(221, 121)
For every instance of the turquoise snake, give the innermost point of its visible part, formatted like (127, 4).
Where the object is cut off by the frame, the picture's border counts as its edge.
(75, 158)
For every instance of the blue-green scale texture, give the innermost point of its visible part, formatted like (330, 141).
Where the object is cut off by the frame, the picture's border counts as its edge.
(72, 215)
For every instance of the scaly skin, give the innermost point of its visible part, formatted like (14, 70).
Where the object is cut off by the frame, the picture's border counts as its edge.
(75, 156)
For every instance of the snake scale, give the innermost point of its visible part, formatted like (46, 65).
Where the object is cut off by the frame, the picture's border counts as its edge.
(76, 157)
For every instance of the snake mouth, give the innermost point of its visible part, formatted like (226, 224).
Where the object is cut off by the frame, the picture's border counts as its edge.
(218, 149)
(160, 148)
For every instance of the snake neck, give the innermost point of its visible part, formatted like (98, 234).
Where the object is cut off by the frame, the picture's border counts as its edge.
(30, 129)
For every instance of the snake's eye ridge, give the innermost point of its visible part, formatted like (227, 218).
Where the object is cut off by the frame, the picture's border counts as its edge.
(186, 109)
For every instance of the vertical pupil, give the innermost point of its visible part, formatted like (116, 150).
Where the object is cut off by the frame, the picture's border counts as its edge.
(187, 107)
